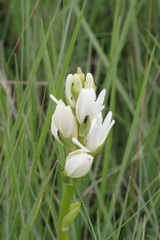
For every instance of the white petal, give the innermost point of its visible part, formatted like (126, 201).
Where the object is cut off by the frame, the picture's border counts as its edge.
(77, 82)
(109, 128)
(107, 125)
(89, 83)
(69, 81)
(71, 128)
(100, 98)
(54, 99)
(57, 116)
(107, 120)
(66, 121)
(54, 130)
(75, 140)
(93, 140)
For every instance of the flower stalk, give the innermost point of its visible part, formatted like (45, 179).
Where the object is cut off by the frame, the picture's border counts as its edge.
(64, 210)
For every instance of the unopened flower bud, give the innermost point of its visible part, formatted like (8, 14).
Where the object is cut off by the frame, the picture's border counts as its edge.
(89, 83)
(81, 75)
(78, 164)
(72, 88)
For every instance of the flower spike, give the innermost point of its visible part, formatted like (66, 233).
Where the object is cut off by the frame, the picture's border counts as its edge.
(80, 124)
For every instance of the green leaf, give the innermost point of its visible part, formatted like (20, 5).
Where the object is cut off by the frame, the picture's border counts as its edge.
(74, 210)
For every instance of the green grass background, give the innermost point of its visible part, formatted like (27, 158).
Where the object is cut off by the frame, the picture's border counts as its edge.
(41, 42)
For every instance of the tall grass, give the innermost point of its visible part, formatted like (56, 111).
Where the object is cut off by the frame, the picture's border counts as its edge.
(40, 43)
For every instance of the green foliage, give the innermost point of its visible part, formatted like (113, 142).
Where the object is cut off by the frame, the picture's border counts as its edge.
(40, 43)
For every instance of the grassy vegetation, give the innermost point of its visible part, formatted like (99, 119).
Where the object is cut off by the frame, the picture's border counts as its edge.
(40, 43)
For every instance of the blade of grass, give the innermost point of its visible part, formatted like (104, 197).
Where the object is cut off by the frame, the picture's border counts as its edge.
(35, 209)
(102, 55)
(64, 40)
(112, 68)
(154, 195)
(132, 132)
(70, 49)
(11, 166)
(23, 30)
(47, 63)
(89, 220)
(60, 80)
(123, 209)
(30, 80)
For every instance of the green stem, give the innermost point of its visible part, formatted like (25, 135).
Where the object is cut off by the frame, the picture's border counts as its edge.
(64, 209)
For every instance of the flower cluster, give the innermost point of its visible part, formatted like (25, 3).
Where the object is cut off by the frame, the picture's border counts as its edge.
(79, 125)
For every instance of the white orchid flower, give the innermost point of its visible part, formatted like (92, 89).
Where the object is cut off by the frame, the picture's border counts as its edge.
(78, 164)
(63, 121)
(97, 133)
(87, 105)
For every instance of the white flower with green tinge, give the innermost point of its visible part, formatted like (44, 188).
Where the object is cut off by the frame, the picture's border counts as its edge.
(99, 131)
(63, 121)
(72, 88)
(97, 134)
(87, 105)
(89, 83)
(78, 164)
